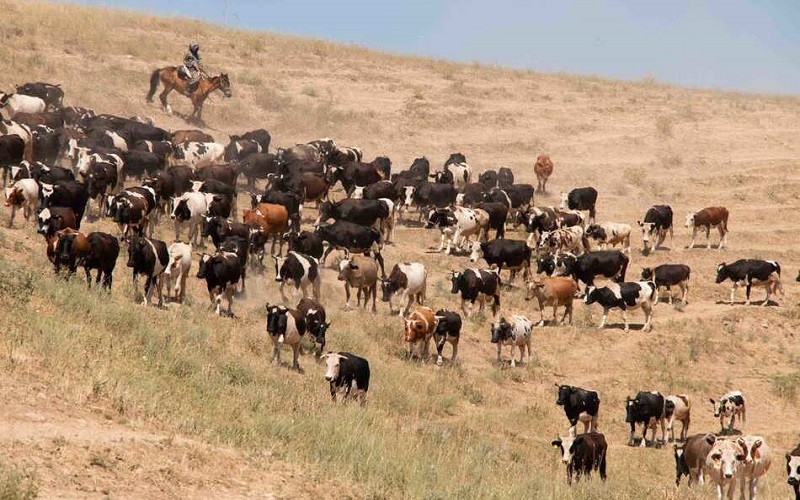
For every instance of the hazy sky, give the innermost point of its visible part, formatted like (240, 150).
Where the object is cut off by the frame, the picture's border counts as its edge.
(735, 44)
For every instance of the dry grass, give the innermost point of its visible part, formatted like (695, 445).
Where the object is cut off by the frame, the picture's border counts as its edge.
(477, 430)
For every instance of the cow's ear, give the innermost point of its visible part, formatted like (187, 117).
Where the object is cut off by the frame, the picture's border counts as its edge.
(640, 223)
(711, 439)
(557, 444)
(712, 401)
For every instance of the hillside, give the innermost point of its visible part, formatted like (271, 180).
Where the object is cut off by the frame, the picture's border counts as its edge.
(104, 397)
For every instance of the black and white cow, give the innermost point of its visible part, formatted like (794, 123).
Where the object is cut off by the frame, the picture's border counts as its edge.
(669, 275)
(448, 329)
(411, 278)
(730, 405)
(647, 409)
(793, 470)
(657, 222)
(148, 257)
(584, 198)
(517, 332)
(514, 255)
(750, 273)
(580, 405)
(583, 454)
(302, 270)
(222, 272)
(190, 209)
(347, 373)
(611, 233)
(606, 263)
(196, 154)
(316, 321)
(285, 326)
(477, 284)
(457, 225)
(625, 296)
(354, 238)
(70, 194)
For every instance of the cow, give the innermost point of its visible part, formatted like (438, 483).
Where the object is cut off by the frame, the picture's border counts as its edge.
(10, 128)
(376, 191)
(148, 257)
(94, 251)
(268, 219)
(488, 178)
(750, 273)
(354, 174)
(706, 219)
(260, 135)
(285, 326)
(46, 120)
(51, 94)
(46, 145)
(52, 219)
(793, 470)
(611, 233)
(190, 209)
(537, 220)
(555, 291)
(730, 405)
(12, 151)
(569, 239)
(411, 278)
(477, 284)
(448, 329)
(23, 193)
(361, 273)
(580, 405)
(625, 296)
(301, 270)
(354, 238)
(607, 263)
(657, 222)
(584, 198)
(291, 201)
(347, 373)
(498, 213)
(238, 149)
(756, 463)
(196, 154)
(647, 409)
(362, 212)
(543, 168)
(21, 103)
(178, 266)
(305, 242)
(677, 407)
(669, 275)
(474, 193)
(690, 457)
(316, 321)
(517, 332)
(70, 194)
(257, 166)
(457, 224)
(219, 228)
(139, 164)
(583, 454)
(222, 272)
(724, 465)
(419, 327)
(70, 248)
(428, 194)
(513, 255)
(133, 208)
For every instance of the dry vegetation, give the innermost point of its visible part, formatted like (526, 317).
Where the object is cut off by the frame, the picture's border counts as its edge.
(476, 430)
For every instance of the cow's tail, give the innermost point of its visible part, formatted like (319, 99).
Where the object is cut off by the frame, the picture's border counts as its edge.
(154, 78)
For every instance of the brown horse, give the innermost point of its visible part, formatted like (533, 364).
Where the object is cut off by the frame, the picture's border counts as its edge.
(171, 80)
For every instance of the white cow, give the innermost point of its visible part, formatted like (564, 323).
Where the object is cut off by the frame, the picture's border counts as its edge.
(611, 233)
(516, 332)
(411, 278)
(21, 103)
(23, 193)
(180, 261)
(757, 460)
(457, 224)
(462, 174)
(724, 467)
(196, 154)
(190, 208)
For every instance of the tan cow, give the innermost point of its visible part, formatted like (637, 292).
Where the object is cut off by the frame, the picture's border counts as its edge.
(706, 219)
(420, 325)
(677, 407)
(690, 457)
(724, 466)
(361, 273)
(269, 219)
(756, 463)
(556, 291)
(543, 169)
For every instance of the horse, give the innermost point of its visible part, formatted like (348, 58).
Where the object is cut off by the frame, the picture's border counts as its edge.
(171, 80)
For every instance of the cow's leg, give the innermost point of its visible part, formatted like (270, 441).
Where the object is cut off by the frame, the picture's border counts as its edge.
(296, 356)
(733, 290)
(748, 288)
(663, 434)
(148, 288)
(276, 356)
(467, 312)
(280, 289)
(722, 235)
(182, 294)
(513, 359)
(625, 319)
(645, 425)
(632, 434)
(13, 213)
(694, 236)
(409, 301)
(454, 343)
(708, 237)
(648, 317)
(499, 349)
(229, 295)
(603, 320)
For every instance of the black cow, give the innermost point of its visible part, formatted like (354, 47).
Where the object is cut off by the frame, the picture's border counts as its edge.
(261, 136)
(647, 408)
(473, 193)
(505, 179)
(41, 173)
(12, 151)
(498, 213)
(583, 454)
(657, 221)
(160, 148)
(362, 212)
(420, 167)
(70, 194)
(511, 254)
(607, 263)
(222, 272)
(488, 179)
(305, 242)
(140, 163)
(53, 219)
(669, 275)
(428, 194)
(477, 284)
(132, 208)
(102, 255)
(448, 329)
(343, 235)
(376, 191)
(239, 245)
(257, 166)
(579, 405)
(51, 94)
(519, 194)
(346, 372)
(150, 258)
(220, 228)
(316, 323)
(455, 159)
(239, 149)
(584, 198)
(751, 272)
(46, 144)
(443, 177)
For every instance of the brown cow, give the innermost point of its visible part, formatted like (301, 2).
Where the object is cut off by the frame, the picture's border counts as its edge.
(557, 291)
(53, 120)
(181, 136)
(53, 219)
(268, 219)
(361, 273)
(420, 325)
(70, 248)
(543, 169)
(706, 219)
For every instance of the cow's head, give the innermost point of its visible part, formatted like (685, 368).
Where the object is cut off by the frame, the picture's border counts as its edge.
(724, 407)
(648, 232)
(276, 320)
(181, 211)
(45, 218)
(388, 288)
(722, 273)
(202, 264)
(689, 220)
(455, 281)
(279, 261)
(592, 295)
(566, 446)
(501, 330)
(332, 365)
(14, 196)
(346, 269)
(47, 191)
(647, 273)
(417, 327)
(408, 195)
(136, 246)
(793, 469)
(65, 246)
(532, 286)
(750, 449)
(681, 468)
(564, 392)
(725, 457)
(632, 409)
(442, 217)
(596, 232)
(477, 251)
(546, 265)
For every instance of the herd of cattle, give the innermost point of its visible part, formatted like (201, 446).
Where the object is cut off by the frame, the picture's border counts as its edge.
(67, 164)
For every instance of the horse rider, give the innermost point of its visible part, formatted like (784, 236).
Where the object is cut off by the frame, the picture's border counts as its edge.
(193, 67)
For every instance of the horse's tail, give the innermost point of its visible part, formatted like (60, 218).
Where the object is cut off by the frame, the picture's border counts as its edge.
(153, 84)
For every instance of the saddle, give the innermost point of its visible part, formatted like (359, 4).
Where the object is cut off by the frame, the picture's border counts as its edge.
(183, 73)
